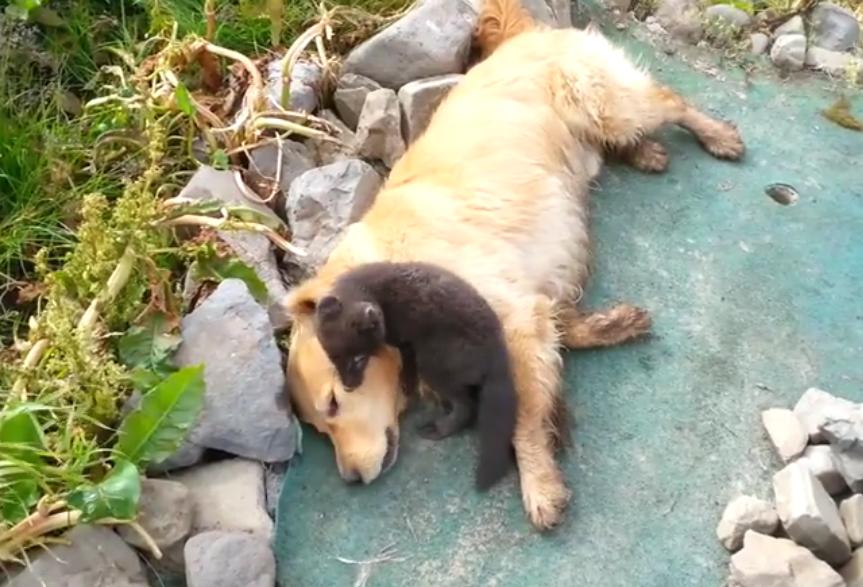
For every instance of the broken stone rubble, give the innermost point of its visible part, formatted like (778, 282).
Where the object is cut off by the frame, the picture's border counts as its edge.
(851, 510)
(743, 514)
(809, 515)
(785, 432)
(777, 562)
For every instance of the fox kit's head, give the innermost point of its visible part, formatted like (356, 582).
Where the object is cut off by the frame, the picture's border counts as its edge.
(351, 329)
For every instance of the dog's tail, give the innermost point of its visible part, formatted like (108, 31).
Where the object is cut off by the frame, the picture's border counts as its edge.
(498, 405)
(500, 20)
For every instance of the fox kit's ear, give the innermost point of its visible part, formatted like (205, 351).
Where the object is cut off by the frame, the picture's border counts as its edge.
(329, 307)
(371, 318)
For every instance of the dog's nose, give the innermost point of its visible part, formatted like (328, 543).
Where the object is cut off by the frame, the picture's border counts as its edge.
(351, 476)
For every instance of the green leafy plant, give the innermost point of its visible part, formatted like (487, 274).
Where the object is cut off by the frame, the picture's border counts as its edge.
(209, 265)
(154, 430)
(115, 497)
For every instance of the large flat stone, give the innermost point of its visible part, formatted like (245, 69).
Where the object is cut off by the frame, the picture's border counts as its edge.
(809, 515)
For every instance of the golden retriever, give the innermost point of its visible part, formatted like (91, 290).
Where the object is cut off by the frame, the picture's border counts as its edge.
(496, 190)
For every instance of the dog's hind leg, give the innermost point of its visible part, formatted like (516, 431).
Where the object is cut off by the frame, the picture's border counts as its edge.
(536, 364)
(611, 327)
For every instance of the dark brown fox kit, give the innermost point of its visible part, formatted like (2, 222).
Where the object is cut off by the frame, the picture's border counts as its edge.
(454, 335)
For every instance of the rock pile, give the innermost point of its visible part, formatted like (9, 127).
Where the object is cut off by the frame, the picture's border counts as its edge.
(818, 507)
(825, 38)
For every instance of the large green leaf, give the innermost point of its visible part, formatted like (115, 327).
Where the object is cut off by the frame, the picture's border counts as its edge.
(154, 430)
(149, 345)
(115, 497)
(210, 266)
(21, 445)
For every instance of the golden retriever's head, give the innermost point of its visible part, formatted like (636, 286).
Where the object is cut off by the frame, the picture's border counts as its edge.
(363, 423)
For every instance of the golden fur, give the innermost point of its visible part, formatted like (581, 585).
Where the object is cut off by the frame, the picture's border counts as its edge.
(496, 190)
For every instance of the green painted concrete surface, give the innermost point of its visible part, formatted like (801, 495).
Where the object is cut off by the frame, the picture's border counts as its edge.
(752, 302)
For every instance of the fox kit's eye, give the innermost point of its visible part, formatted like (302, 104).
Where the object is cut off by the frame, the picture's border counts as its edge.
(359, 362)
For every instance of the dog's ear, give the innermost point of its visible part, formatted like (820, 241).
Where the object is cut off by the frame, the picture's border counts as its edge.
(302, 300)
(329, 307)
(370, 319)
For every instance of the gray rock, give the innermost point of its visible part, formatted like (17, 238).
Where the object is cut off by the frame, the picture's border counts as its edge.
(252, 248)
(814, 406)
(621, 5)
(305, 86)
(823, 464)
(274, 478)
(785, 432)
(379, 130)
(164, 511)
(231, 335)
(759, 43)
(727, 15)
(681, 18)
(327, 152)
(789, 52)
(833, 27)
(742, 514)
(432, 39)
(295, 160)
(323, 201)
(419, 99)
(809, 515)
(793, 25)
(776, 562)
(843, 429)
(350, 95)
(187, 455)
(94, 556)
(228, 495)
(851, 510)
(229, 559)
(556, 13)
(852, 571)
(834, 63)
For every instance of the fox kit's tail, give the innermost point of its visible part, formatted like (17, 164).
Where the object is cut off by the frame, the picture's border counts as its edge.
(500, 20)
(496, 413)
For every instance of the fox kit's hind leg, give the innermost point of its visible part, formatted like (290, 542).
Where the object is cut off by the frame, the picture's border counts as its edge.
(457, 414)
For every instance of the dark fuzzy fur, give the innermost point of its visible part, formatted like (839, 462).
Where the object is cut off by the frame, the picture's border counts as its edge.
(453, 334)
